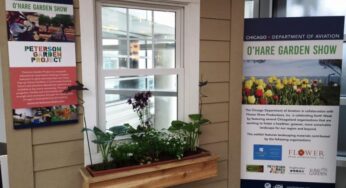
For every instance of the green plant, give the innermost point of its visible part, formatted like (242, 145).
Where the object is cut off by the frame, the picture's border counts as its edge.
(105, 139)
(149, 146)
(175, 145)
(126, 154)
(190, 131)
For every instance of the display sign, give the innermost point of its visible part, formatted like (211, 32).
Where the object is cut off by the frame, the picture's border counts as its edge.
(290, 96)
(41, 43)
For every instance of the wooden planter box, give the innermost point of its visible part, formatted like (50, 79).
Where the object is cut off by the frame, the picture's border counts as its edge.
(161, 175)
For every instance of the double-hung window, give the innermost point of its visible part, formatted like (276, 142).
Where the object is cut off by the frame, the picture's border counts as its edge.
(139, 50)
(129, 46)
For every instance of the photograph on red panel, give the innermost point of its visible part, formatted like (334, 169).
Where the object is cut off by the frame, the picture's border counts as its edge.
(44, 116)
(29, 26)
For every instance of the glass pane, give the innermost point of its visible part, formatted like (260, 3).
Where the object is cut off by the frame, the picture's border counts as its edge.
(112, 61)
(132, 46)
(114, 22)
(141, 54)
(140, 23)
(342, 132)
(163, 104)
(164, 54)
(340, 176)
(342, 118)
(249, 9)
(166, 110)
(343, 80)
(114, 54)
(164, 25)
(299, 8)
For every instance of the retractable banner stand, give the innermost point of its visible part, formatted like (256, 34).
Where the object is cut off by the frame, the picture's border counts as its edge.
(41, 43)
(290, 111)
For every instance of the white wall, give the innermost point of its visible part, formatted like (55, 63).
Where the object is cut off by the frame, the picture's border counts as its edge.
(2, 119)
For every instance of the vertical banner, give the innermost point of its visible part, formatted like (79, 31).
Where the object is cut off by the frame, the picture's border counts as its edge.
(41, 43)
(291, 94)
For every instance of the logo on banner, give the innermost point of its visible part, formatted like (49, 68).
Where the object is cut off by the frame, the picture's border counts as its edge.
(267, 152)
(297, 170)
(276, 169)
(267, 185)
(44, 54)
(306, 153)
(318, 171)
(255, 168)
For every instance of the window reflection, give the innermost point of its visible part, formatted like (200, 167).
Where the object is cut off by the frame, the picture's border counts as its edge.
(299, 8)
(144, 40)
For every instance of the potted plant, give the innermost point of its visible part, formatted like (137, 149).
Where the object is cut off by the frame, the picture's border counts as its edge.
(153, 157)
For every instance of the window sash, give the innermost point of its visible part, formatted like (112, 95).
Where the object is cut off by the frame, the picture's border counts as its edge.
(102, 73)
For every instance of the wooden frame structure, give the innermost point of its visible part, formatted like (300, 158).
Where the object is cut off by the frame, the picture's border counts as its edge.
(165, 175)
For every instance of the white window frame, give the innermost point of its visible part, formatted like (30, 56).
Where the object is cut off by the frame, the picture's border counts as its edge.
(2, 109)
(190, 57)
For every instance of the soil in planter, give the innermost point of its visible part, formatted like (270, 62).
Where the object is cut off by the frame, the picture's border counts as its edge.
(132, 162)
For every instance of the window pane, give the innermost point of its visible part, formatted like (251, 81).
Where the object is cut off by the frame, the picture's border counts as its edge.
(299, 8)
(343, 80)
(164, 54)
(249, 9)
(141, 54)
(131, 47)
(111, 60)
(140, 23)
(164, 25)
(114, 22)
(163, 103)
(114, 54)
(342, 131)
(342, 118)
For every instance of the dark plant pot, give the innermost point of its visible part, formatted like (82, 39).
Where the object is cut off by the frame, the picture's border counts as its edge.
(200, 153)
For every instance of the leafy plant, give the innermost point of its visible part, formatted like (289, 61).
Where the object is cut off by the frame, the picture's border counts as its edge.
(190, 131)
(154, 144)
(105, 139)
(126, 154)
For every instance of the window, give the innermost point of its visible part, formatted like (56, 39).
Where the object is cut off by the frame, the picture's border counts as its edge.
(251, 8)
(139, 49)
(134, 45)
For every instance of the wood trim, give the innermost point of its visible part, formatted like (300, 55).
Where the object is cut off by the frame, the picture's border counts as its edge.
(19, 142)
(236, 69)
